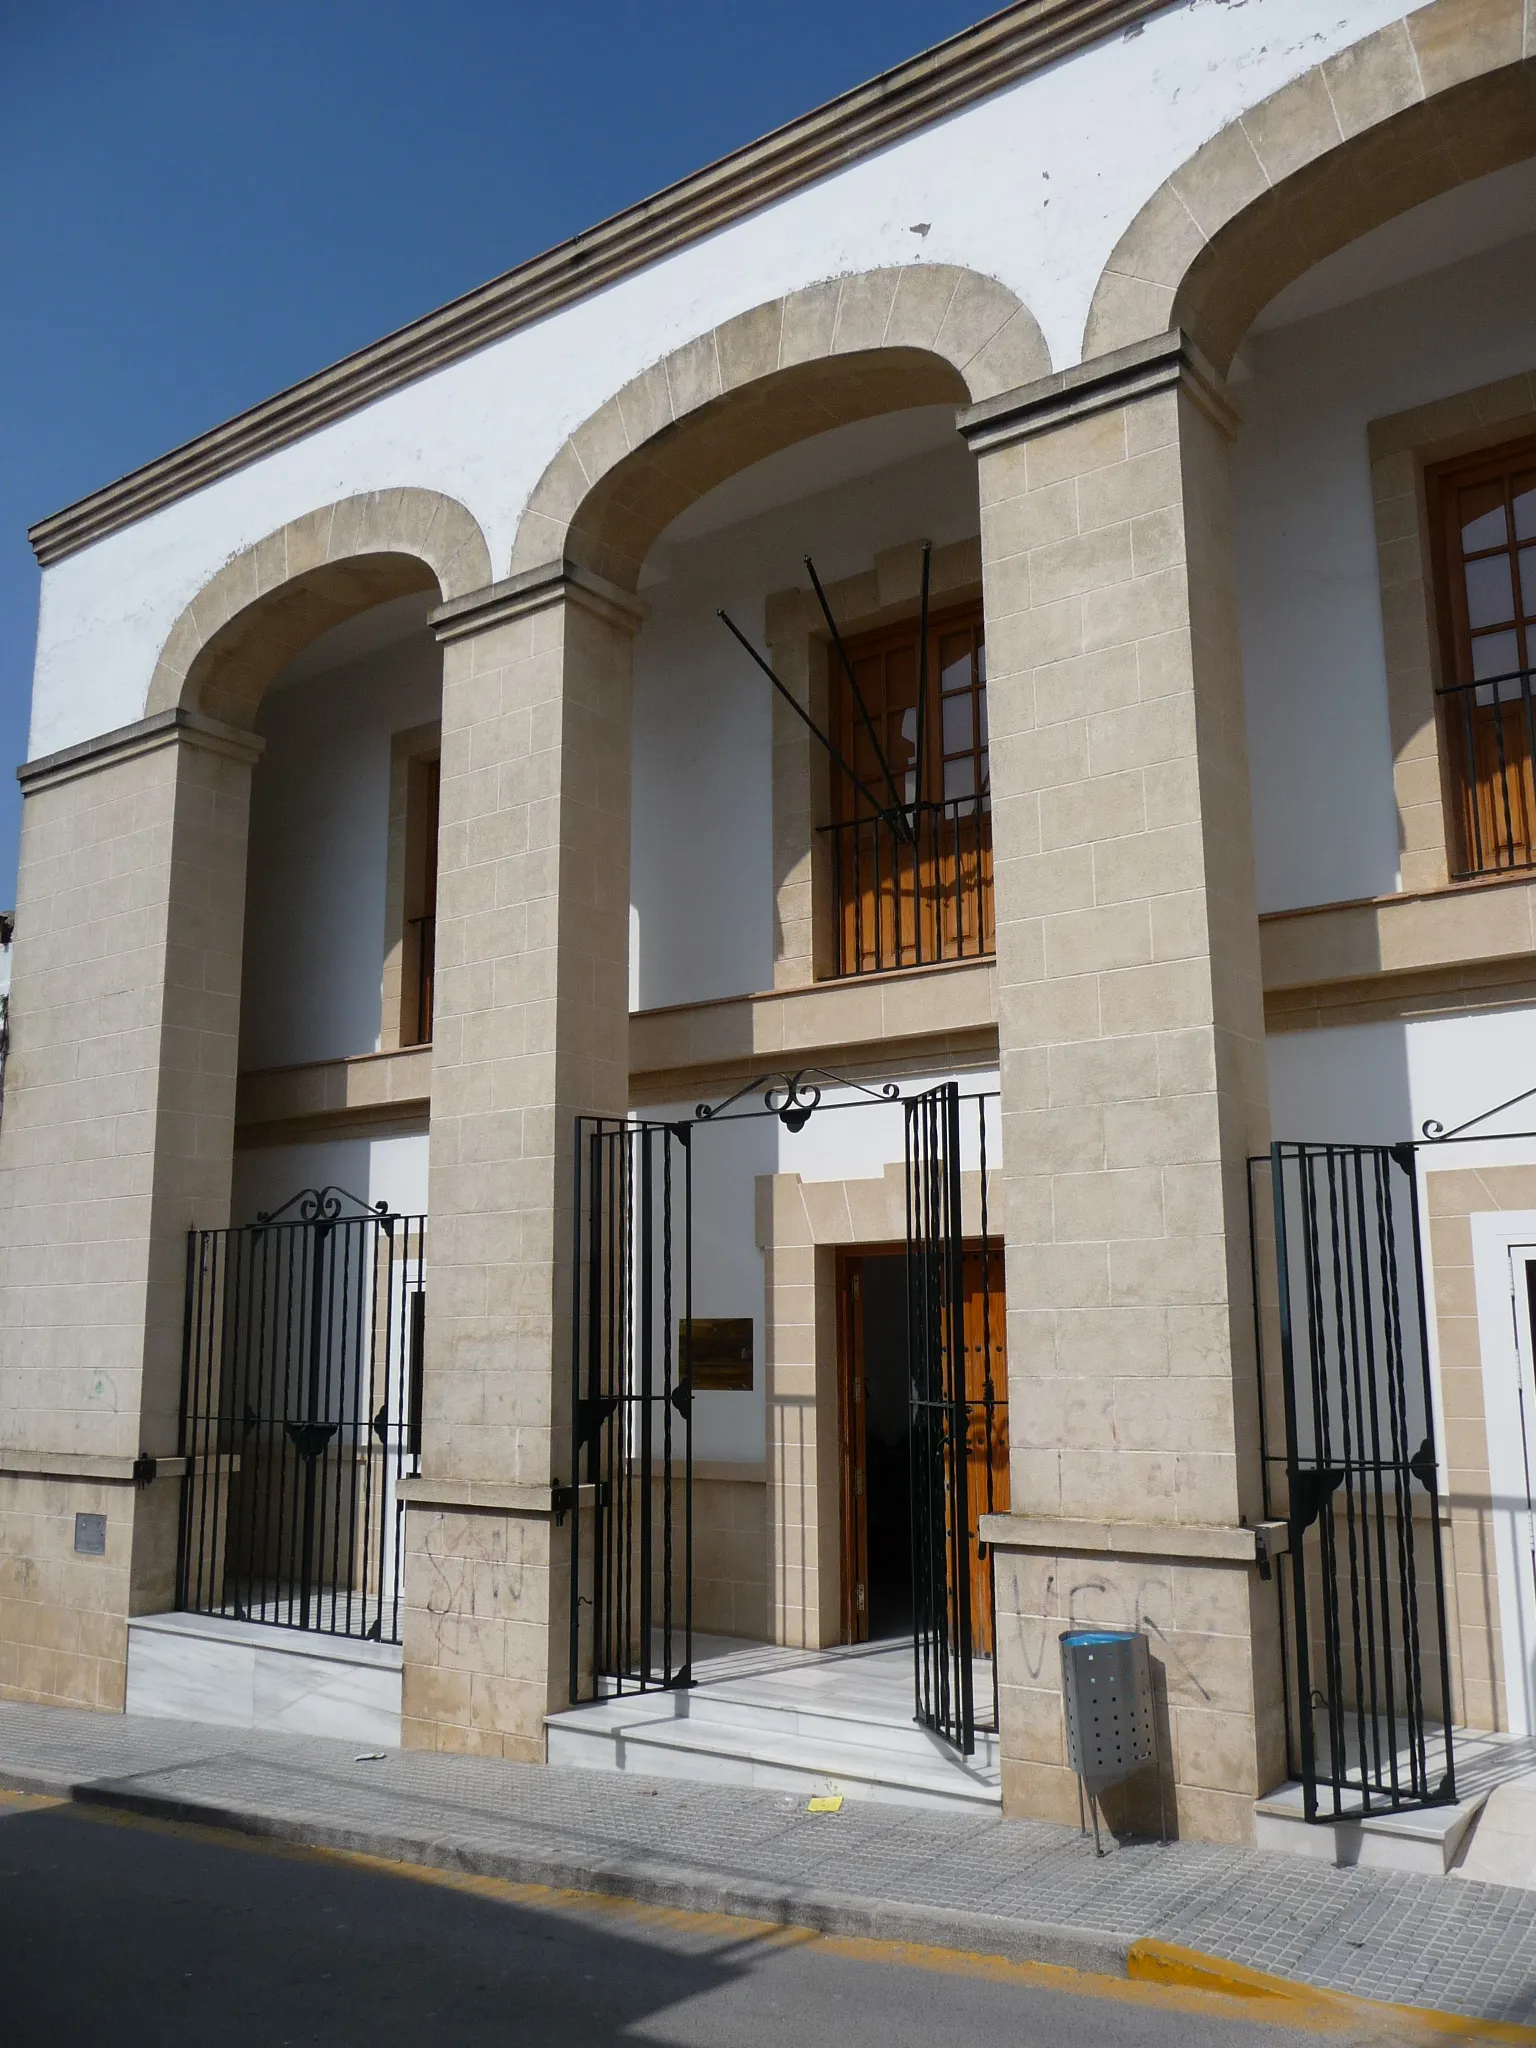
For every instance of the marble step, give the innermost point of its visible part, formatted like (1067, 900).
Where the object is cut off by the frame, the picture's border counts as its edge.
(1426, 1841)
(736, 1753)
(248, 1674)
(739, 1706)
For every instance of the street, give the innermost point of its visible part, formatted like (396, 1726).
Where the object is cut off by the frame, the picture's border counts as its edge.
(115, 1930)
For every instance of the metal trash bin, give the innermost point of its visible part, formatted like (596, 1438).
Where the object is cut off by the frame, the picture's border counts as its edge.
(1106, 1690)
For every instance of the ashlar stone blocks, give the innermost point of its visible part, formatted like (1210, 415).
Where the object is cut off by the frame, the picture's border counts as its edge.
(1130, 1007)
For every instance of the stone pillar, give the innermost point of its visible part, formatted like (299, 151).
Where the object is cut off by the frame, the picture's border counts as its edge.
(1132, 1045)
(531, 1028)
(116, 1140)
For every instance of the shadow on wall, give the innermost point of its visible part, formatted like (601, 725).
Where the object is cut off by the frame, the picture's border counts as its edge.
(1349, 1086)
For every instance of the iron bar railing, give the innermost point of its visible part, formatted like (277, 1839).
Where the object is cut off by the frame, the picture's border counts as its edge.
(300, 1413)
(1347, 1444)
(959, 1380)
(1491, 725)
(908, 892)
(631, 1503)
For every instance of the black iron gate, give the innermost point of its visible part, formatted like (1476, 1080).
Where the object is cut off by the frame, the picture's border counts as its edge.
(300, 1410)
(959, 1416)
(631, 1506)
(1363, 1597)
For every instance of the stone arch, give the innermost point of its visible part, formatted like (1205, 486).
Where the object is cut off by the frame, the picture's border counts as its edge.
(1442, 96)
(841, 350)
(269, 601)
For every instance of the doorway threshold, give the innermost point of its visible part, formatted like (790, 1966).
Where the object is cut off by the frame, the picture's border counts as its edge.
(810, 1722)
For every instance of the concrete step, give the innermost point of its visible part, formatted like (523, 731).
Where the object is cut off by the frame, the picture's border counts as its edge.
(742, 1707)
(651, 1740)
(1426, 1841)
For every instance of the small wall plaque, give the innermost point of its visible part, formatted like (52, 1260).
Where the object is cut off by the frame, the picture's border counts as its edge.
(721, 1354)
(91, 1535)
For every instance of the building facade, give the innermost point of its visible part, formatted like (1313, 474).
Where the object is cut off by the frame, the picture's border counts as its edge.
(1152, 389)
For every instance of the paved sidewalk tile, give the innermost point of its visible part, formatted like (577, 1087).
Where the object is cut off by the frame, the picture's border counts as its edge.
(1425, 1941)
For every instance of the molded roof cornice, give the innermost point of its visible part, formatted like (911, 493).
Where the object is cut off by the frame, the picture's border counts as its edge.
(979, 61)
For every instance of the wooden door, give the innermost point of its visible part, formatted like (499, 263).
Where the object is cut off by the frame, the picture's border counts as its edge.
(986, 1448)
(1485, 524)
(852, 1448)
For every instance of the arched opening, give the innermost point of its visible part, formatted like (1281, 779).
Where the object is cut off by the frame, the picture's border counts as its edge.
(302, 1377)
(852, 458)
(1372, 305)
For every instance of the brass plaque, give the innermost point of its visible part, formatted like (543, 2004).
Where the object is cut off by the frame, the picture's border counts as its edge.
(721, 1353)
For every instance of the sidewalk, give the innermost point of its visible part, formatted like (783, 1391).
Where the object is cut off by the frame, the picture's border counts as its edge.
(1015, 1888)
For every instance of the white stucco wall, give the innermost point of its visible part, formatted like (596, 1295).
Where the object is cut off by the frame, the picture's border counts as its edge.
(1374, 1084)
(702, 873)
(314, 922)
(392, 1170)
(1325, 818)
(1033, 186)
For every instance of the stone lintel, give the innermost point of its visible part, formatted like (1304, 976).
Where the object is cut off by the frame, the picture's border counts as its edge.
(179, 726)
(1167, 362)
(1193, 1542)
(537, 590)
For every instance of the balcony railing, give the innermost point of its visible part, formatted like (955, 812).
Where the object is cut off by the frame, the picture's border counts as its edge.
(1491, 729)
(909, 897)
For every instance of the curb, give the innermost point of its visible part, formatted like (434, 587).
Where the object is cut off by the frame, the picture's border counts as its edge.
(1084, 1949)
(1188, 1969)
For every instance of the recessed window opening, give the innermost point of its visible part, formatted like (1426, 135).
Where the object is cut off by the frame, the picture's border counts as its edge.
(912, 883)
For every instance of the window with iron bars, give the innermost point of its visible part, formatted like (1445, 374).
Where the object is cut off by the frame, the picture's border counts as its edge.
(1483, 514)
(911, 883)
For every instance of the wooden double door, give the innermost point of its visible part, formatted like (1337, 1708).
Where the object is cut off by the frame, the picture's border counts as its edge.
(875, 1436)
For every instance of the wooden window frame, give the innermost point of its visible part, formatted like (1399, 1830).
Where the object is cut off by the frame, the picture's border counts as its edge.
(1487, 730)
(895, 903)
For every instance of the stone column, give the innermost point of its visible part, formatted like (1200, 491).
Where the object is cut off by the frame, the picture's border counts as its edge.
(1132, 1047)
(531, 1028)
(116, 1140)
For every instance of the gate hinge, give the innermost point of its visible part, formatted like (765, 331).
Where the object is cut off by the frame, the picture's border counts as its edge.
(144, 1469)
(1270, 1540)
(561, 1500)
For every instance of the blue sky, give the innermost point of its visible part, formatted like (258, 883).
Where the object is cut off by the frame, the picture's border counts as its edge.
(201, 202)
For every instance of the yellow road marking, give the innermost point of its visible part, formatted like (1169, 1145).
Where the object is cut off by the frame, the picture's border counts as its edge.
(1160, 1976)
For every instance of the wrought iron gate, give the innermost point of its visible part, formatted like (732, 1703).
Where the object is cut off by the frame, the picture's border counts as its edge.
(959, 1417)
(300, 1410)
(1363, 1597)
(631, 1504)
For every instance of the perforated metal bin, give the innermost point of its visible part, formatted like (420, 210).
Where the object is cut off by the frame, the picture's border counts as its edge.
(1106, 1684)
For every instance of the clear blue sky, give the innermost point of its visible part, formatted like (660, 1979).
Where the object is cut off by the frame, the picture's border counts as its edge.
(201, 202)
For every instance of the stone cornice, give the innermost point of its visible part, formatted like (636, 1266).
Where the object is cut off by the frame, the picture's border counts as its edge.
(968, 67)
(1166, 362)
(177, 727)
(536, 590)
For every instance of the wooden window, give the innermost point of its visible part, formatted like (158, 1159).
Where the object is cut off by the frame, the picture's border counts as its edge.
(1483, 514)
(419, 936)
(918, 890)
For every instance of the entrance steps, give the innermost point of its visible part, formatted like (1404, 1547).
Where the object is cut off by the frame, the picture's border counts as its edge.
(248, 1674)
(1431, 1840)
(808, 1722)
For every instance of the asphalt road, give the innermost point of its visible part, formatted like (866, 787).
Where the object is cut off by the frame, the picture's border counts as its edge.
(117, 1931)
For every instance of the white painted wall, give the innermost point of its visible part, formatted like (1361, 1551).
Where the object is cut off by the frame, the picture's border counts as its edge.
(702, 823)
(1325, 817)
(314, 920)
(392, 1170)
(1373, 1084)
(1033, 186)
